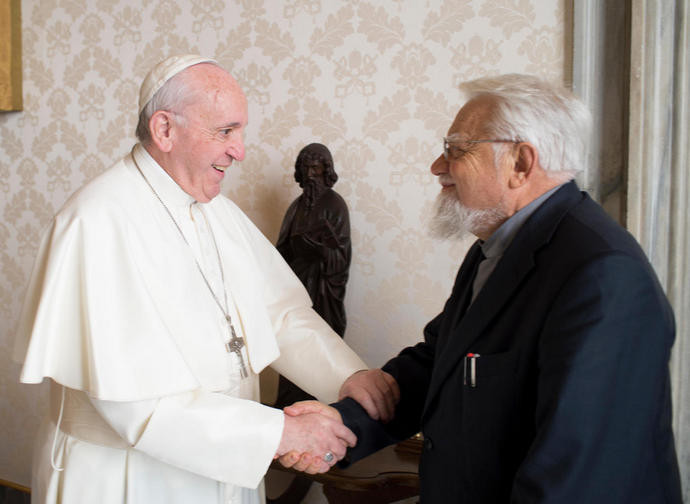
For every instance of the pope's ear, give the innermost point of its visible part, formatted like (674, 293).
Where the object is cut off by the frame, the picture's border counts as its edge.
(160, 126)
(526, 162)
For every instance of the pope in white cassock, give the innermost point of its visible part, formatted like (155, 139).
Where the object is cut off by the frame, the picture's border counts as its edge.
(153, 305)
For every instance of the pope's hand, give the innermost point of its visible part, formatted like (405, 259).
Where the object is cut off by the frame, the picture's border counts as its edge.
(307, 462)
(303, 407)
(324, 439)
(375, 390)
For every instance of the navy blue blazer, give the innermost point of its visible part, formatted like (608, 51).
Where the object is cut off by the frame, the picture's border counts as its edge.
(571, 400)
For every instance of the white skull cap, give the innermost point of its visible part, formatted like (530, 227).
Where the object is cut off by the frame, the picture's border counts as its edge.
(164, 71)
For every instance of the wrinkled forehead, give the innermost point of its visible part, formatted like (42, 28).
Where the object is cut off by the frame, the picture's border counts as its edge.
(472, 120)
(216, 92)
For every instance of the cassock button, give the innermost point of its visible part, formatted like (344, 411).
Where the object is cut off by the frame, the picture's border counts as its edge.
(428, 443)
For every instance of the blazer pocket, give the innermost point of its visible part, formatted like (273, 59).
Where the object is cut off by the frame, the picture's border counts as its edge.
(492, 387)
(488, 367)
(491, 407)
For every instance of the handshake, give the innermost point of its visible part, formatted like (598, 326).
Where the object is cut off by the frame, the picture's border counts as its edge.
(314, 436)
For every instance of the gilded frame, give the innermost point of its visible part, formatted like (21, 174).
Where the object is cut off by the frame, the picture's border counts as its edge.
(10, 55)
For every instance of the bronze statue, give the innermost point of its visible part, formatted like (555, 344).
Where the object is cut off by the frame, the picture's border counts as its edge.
(315, 241)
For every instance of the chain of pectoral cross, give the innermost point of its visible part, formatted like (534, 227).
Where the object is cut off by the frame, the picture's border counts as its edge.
(236, 343)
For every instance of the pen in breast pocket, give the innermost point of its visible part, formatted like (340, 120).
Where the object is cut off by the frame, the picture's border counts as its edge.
(472, 357)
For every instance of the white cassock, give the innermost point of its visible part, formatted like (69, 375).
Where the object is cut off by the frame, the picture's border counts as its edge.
(151, 406)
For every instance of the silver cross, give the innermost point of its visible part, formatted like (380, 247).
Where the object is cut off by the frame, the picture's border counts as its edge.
(235, 346)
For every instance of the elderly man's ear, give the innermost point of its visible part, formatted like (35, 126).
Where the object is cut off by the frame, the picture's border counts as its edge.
(160, 126)
(525, 164)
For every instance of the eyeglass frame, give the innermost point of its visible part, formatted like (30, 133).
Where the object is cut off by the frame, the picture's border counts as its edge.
(446, 143)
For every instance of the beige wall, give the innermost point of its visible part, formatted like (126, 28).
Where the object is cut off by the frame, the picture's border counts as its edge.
(374, 80)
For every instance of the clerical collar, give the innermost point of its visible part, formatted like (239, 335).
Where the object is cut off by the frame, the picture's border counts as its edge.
(168, 190)
(499, 240)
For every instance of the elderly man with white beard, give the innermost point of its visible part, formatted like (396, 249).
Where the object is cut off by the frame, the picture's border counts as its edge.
(545, 377)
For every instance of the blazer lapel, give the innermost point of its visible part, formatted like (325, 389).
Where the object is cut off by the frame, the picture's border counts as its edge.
(462, 290)
(460, 333)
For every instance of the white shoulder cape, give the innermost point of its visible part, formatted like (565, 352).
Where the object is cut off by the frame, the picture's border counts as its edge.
(116, 307)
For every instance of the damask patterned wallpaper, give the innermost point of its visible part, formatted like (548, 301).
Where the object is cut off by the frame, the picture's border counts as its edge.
(375, 80)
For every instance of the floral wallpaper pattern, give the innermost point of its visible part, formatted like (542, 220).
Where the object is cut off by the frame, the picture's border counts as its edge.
(374, 80)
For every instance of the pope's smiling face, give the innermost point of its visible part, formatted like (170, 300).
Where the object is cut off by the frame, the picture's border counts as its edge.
(207, 132)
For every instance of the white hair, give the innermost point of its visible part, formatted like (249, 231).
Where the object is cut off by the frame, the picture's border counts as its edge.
(549, 117)
(173, 96)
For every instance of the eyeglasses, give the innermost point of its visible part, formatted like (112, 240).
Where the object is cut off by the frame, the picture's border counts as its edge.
(453, 151)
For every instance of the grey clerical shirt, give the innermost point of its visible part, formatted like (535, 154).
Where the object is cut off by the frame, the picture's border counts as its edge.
(498, 242)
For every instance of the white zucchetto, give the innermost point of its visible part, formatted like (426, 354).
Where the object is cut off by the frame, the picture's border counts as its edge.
(164, 71)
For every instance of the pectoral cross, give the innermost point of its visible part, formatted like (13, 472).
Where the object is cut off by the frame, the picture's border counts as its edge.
(235, 346)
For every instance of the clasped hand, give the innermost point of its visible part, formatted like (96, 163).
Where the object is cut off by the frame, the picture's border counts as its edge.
(375, 390)
(312, 430)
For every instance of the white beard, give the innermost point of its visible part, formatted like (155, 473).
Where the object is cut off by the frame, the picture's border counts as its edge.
(453, 220)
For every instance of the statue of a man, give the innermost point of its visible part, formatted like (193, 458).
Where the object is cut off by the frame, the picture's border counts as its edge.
(315, 241)
(315, 236)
